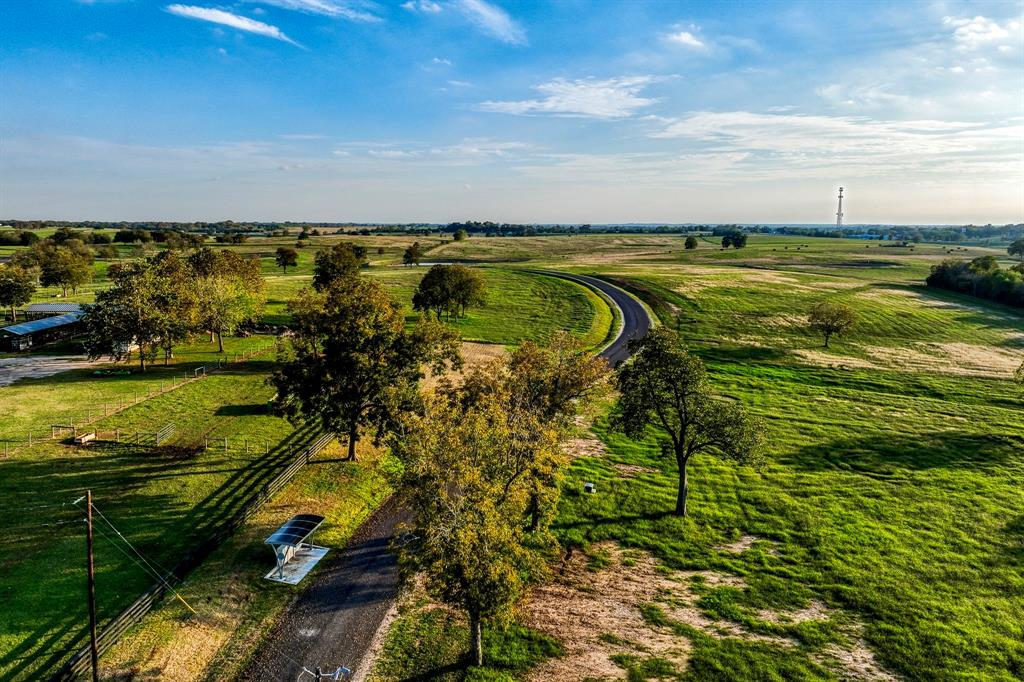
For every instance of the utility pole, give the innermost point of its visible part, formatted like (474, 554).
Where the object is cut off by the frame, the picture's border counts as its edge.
(839, 213)
(93, 651)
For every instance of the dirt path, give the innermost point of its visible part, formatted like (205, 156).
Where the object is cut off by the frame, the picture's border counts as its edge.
(39, 366)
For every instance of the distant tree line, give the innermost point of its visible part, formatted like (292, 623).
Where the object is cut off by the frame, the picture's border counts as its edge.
(981, 277)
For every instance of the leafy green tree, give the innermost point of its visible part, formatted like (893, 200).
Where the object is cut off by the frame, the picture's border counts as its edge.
(65, 267)
(831, 319)
(229, 289)
(17, 285)
(125, 316)
(690, 243)
(413, 254)
(286, 257)
(666, 388)
(1017, 249)
(341, 260)
(464, 485)
(549, 385)
(352, 364)
(459, 235)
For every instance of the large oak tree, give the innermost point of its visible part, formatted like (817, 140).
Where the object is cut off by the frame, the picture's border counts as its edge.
(665, 388)
(352, 364)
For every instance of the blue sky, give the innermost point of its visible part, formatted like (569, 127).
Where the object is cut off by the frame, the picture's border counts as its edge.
(564, 111)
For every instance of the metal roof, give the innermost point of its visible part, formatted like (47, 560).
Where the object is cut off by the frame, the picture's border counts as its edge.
(55, 308)
(39, 325)
(295, 530)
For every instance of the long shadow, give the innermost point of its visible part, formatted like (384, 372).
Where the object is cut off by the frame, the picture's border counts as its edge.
(888, 455)
(591, 522)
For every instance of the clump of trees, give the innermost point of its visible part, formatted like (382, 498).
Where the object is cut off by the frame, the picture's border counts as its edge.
(18, 238)
(690, 243)
(66, 263)
(460, 235)
(480, 467)
(351, 364)
(831, 319)
(1017, 249)
(982, 277)
(285, 258)
(157, 303)
(736, 239)
(413, 254)
(665, 388)
(449, 290)
(17, 285)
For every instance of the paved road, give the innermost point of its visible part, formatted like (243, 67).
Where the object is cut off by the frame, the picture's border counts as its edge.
(334, 620)
(635, 318)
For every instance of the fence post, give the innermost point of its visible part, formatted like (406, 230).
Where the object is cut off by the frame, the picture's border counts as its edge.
(30, 439)
(247, 446)
(117, 435)
(225, 443)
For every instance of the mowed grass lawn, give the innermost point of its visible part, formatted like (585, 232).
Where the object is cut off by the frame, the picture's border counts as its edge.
(162, 499)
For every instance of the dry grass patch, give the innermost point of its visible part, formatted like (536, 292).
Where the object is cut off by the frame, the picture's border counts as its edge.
(633, 470)
(823, 359)
(961, 359)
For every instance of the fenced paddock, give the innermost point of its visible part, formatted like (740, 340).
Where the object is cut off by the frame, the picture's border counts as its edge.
(70, 423)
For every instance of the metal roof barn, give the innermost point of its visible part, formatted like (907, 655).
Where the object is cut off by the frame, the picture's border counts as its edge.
(27, 334)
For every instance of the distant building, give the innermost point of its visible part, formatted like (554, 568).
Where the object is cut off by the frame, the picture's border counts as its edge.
(38, 310)
(27, 335)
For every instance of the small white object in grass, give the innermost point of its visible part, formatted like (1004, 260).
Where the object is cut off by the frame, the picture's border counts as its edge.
(589, 488)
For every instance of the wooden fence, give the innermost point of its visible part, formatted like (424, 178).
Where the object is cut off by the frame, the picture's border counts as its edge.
(79, 663)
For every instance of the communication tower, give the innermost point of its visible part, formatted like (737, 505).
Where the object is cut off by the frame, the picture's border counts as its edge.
(839, 213)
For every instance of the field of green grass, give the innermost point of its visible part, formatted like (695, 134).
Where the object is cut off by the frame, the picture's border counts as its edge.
(890, 503)
(889, 506)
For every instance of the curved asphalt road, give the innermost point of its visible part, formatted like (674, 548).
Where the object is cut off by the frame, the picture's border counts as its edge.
(334, 619)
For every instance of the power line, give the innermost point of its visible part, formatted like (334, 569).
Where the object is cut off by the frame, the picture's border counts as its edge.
(148, 568)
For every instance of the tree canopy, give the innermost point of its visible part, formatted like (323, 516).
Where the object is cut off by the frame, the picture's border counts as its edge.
(449, 290)
(17, 285)
(1017, 249)
(285, 257)
(341, 260)
(690, 243)
(831, 319)
(413, 254)
(352, 364)
(665, 387)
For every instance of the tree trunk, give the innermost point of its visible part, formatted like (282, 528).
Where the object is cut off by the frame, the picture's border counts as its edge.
(14, 315)
(142, 358)
(684, 486)
(353, 438)
(476, 644)
(534, 513)
(826, 339)
(220, 342)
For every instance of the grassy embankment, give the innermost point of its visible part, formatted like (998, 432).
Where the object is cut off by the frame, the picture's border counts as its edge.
(882, 534)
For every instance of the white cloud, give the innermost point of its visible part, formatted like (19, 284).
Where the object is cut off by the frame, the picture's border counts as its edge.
(441, 62)
(425, 6)
(364, 11)
(587, 97)
(686, 39)
(217, 16)
(492, 20)
(972, 34)
(460, 84)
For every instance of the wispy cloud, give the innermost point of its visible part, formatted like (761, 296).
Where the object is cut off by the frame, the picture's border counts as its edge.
(425, 6)
(686, 39)
(438, 61)
(241, 23)
(492, 20)
(362, 11)
(588, 97)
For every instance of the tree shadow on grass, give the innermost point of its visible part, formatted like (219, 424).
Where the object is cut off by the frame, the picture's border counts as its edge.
(885, 455)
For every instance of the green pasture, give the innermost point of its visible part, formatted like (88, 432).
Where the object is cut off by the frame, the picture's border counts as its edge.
(163, 499)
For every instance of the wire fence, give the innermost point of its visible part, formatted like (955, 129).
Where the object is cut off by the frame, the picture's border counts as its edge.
(74, 423)
(80, 662)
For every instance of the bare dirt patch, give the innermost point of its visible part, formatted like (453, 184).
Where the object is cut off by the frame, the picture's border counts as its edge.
(473, 355)
(584, 447)
(633, 470)
(597, 614)
(742, 545)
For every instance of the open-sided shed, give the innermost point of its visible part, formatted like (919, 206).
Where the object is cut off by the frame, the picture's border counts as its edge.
(26, 335)
(294, 551)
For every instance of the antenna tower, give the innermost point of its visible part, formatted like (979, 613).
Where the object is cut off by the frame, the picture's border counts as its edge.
(839, 213)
